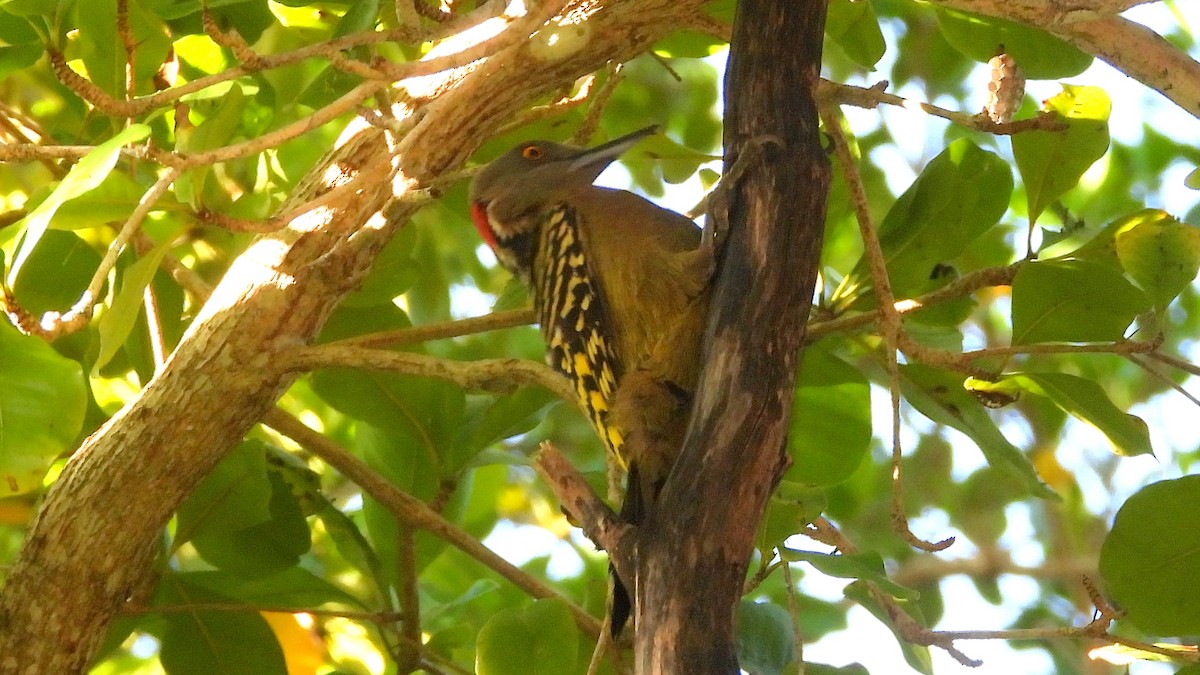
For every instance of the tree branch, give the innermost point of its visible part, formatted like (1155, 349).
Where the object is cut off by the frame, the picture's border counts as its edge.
(1129, 47)
(491, 375)
(598, 521)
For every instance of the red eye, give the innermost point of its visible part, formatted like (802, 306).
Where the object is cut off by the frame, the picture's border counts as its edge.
(531, 152)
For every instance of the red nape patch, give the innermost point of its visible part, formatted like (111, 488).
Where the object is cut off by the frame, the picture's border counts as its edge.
(480, 218)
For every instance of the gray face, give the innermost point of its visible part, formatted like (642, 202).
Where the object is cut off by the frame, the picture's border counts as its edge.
(518, 185)
(523, 179)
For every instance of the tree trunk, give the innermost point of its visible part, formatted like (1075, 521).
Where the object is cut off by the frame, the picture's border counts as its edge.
(93, 542)
(693, 553)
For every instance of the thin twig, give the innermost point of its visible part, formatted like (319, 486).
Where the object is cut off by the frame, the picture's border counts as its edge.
(158, 341)
(1162, 377)
(988, 563)
(888, 318)
(440, 331)
(584, 88)
(1176, 362)
(870, 97)
(53, 324)
(967, 284)
(144, 206)
(794, 612)
(410, 600)
(378, 618)
(326, 114)
(766, 567)
(911, 631)
(598, 104)
(490, 375)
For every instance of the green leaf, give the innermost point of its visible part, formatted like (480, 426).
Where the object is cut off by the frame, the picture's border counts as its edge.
(244, 519)
(831, 419)
(855, 28)
(234, 495)
(538, 639)
(215, 131)
(42, 402)
(688, 44)
(100, 47)
(1149, 559)
(978, 505)
(765, 643)
(396, 457)
(1072, 301)
(1052, 162)
(818, 617)
(959, 196)
(392, 273)
(677, 162)
(418, 415)
(420, 419)
(294, 588)
(115, 324)
(788, 510)
(721, 10)
(110, 201)
(1161, 254)
(30, 8)
(917, 656)
(1192, 180)
(350, 542)
(496, 418)
(16, 30)
(16, 57)
(201, 642)
(56, 273)
(866, 565)
(1038, 54)
(84, 176)
(940, 396)
(360, 17)
(1087, 400)
(811, 668)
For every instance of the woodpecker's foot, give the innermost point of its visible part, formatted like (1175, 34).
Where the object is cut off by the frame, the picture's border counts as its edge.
(716, 225)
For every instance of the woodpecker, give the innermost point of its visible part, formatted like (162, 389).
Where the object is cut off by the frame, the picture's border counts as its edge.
(620, 289)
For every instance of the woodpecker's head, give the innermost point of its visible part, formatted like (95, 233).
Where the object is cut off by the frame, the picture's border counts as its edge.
(510, 196)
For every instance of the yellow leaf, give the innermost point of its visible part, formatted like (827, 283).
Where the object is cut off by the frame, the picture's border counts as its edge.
(302, 649)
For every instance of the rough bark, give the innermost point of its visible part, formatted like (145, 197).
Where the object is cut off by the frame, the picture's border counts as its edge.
(693, 552)
(95, 539)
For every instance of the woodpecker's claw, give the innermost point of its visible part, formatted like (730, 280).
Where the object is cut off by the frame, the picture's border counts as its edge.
(717, 202)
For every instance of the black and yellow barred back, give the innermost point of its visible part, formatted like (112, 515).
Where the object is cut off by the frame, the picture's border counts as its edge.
(571, 311)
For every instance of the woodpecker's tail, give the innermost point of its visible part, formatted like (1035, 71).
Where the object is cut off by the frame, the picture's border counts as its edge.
(622, 604)
(633, 510)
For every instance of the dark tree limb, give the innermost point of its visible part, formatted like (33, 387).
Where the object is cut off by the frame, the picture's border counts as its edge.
(694, 549)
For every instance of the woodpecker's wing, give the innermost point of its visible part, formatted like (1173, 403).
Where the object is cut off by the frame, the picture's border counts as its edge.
(576, 321)
(642, 257)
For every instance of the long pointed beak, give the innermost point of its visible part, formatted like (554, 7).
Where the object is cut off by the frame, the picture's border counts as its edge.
(594, 160)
